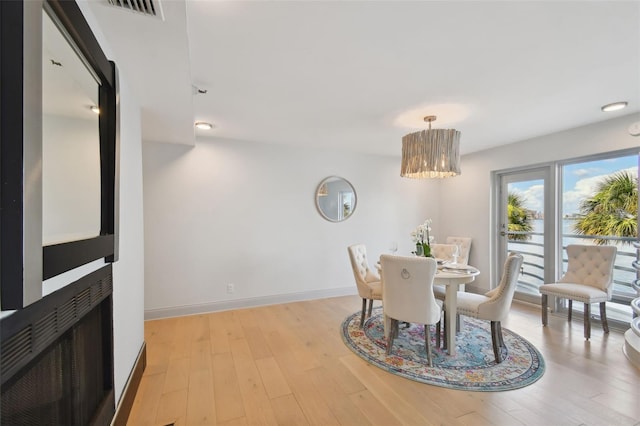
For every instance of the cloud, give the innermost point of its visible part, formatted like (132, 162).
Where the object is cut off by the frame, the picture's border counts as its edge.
(533, 197)
(585, 188)
(587, 172)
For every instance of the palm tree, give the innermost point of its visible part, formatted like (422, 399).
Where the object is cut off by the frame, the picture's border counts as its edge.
(612, 210)
(519, 219)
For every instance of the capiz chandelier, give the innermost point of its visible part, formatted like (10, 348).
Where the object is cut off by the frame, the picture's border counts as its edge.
(431, 153)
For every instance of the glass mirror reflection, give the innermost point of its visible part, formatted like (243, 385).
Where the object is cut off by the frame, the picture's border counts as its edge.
(336, 199)
(71, 142)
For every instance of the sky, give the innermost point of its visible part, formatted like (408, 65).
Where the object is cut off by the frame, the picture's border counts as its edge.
(579, 181)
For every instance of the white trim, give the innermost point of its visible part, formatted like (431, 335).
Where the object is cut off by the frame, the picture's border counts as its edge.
(631, 348)
(225, 305)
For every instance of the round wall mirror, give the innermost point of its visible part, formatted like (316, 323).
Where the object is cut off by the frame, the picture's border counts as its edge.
(336, 199)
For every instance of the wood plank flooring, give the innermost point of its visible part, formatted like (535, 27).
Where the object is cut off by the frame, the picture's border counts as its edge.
(287, 365)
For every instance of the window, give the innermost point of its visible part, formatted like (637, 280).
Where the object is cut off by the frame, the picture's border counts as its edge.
(594, 200)
(600, 206)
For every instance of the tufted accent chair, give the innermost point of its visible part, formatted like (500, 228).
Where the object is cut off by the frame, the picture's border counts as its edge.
(495, 305)
(588, 279)
(367, 281)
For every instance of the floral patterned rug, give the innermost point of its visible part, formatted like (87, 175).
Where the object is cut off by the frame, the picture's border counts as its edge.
(473, 368)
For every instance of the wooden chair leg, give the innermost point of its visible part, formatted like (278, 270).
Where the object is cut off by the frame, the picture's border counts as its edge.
(370, 308)
(495, 339)
(444, 330)
(544, 310)
(501, 341)
(392, 334)
(603, 316)
(364, 310)
(570, 310)
(587, 321)
(427, 342)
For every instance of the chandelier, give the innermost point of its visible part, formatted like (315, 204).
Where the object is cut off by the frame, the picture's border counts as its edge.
(431, 153)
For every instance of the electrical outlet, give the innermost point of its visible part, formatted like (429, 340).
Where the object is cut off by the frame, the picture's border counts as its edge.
(231, 288)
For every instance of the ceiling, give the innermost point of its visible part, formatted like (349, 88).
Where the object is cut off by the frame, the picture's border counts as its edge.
(358, 75)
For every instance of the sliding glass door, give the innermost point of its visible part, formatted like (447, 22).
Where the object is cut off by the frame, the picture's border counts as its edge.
(525, 206)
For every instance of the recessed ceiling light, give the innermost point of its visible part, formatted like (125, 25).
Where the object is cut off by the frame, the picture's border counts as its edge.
(95, 109)
(614, 106)
(204, 125)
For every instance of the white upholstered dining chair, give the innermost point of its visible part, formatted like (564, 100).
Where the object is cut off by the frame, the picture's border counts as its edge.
(443, 251)
(407, 295)
(589, 279)
(367, 281)
(495, 305)
(465, 247)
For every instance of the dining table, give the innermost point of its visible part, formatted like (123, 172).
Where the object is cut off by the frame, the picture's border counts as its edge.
(452, 276)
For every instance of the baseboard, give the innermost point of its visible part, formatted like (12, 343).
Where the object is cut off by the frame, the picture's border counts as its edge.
(129, 394)
(225, 305)
(469, 288)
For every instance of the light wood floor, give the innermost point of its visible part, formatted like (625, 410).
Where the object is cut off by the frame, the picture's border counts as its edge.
(287, 364)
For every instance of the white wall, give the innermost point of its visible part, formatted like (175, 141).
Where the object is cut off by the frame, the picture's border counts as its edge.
(70, 179)
(128, 271)
(244, 213)
(466, 200)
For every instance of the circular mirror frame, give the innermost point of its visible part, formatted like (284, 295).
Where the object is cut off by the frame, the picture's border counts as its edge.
(340, 217)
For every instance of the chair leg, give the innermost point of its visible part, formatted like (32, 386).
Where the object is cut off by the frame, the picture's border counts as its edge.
(370, 308)
(364, 310)
(444, 330)
(427, 343)
(501, 341)
(438, 334)
(587, 321)
(496, 337)
(544, 310)
(392, 334)
(570, 310)
(603, 316)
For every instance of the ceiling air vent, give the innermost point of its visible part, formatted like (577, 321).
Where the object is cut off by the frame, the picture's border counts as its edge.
(145, 7)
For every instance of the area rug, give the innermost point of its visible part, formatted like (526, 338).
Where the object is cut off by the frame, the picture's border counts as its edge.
(473, 368)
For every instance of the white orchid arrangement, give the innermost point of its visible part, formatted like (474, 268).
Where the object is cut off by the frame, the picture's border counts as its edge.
(422, 238)
(421, 233)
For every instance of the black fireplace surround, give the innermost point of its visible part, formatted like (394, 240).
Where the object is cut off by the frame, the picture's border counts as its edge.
(56, 363)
